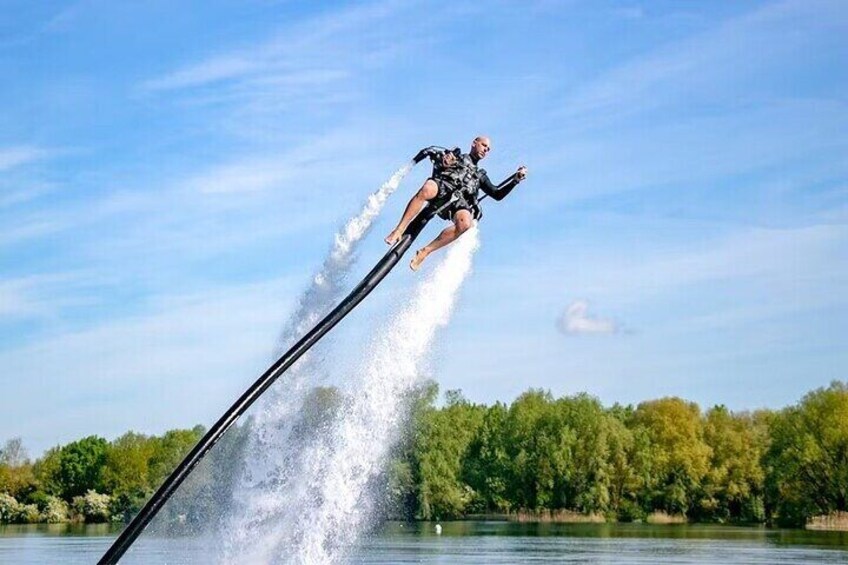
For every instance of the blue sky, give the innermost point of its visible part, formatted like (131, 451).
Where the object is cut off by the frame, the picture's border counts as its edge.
(171, 177)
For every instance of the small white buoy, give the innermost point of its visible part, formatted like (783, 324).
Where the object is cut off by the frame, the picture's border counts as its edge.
(438, 529)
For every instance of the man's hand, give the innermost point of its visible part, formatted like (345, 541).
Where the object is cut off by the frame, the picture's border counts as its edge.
(448, 159)
(521, 173)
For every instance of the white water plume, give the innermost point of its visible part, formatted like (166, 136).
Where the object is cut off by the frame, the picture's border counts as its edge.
(326, 285)
(273, 419)
(315, 507)
(322, 294)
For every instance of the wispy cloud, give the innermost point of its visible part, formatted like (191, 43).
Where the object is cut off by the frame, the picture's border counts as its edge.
(307, 75)
(34, 227)
(66, 17)
(15, 301)
(799, 268)
(42, 296)
(697, 63)
(205, 72)
(247, 176)
(317, 52)
(18, 195)
(11, 157)
(799, 137)
(576, 320)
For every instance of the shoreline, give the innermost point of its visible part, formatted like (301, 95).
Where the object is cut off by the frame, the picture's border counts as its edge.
(834, 522)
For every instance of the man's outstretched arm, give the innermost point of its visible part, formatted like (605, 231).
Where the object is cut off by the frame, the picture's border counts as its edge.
(500, 191)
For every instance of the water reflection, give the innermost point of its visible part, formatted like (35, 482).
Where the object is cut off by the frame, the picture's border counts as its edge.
(465, 542)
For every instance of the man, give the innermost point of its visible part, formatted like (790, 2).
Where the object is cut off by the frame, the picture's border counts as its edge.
(456, 181)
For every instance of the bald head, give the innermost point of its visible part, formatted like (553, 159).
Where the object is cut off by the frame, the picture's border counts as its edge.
(480, 147)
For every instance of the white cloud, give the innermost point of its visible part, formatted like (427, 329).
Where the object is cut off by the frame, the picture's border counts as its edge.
(42, 296)
(247, 176)
(34, 227)
(576, 320)
(14, 301)
(734, 49)
(312, 53)
(23, 194)
(209, 71)
(11, 157)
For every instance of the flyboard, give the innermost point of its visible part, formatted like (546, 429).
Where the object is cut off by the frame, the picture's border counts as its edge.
(363, 289)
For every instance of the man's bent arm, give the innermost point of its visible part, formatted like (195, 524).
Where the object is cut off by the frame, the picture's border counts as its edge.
(433, 152)
(500, 191)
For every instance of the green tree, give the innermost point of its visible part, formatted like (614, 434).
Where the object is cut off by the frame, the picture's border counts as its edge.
(169, 450)
(487, 464)
(629, 465)
(734, 484)
(595, 441)
(126, 476)
(807, 460)
(540, 449)
(81, 466)
(679, 456)
(16, 475)
(403, 480)
(46, 471)
(441, 444)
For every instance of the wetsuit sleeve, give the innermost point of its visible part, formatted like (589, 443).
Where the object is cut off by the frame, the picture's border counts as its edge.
(500, 191)
(431, 152)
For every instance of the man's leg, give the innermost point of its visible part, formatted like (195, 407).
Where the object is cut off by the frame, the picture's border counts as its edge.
(461, 222)
(428, 191)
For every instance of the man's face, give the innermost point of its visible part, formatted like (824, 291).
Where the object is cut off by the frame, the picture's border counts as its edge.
(480, 147)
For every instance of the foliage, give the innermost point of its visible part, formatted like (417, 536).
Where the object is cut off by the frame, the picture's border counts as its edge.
(127, 471)
(81, 466)
(16, 474)
(13, 512)
(807, 461)
(538, 454)
(9, 508)
(678, 453)
(54, 510)
(488, 465)
(733, 486)
(442, 438)
(92, 506)
(572, 454)
(169, 450)
(46, 472)
(126, 474)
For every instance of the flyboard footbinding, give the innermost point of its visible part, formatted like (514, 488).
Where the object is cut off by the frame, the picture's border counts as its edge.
(363, 289)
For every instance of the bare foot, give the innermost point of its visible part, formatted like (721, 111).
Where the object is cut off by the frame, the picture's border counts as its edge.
(420, 255)
(393, 237)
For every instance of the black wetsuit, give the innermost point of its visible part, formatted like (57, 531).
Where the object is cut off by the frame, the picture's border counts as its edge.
(463, 179)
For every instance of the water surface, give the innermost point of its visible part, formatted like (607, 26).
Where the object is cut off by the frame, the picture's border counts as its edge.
(466, 542)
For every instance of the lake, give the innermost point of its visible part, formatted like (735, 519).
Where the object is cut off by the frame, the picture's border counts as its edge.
(467, 542)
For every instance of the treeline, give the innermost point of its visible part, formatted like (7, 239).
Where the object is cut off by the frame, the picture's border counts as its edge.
(89, 480)
(537, 454)
(624, 463)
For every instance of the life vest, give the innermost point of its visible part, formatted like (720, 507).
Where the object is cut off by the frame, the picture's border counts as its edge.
(463, 177)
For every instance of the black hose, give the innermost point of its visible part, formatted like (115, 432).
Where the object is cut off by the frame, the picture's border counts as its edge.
(363, 289)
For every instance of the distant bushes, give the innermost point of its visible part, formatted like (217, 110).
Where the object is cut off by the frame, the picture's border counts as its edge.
(54, 510)
(14, 512)
(93, 506)
(539, 456)
(661, 458)
(89, 480)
